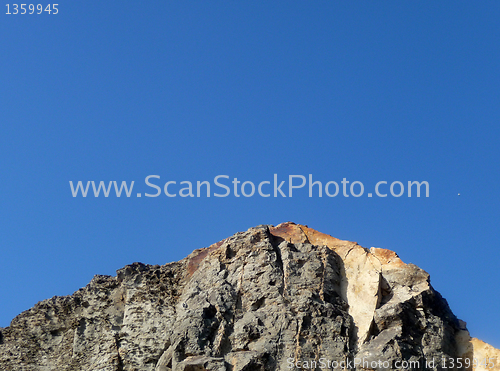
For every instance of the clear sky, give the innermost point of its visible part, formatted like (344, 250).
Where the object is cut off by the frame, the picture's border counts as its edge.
(187, 90)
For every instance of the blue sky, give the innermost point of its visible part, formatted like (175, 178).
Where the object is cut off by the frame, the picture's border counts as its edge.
(367, 91)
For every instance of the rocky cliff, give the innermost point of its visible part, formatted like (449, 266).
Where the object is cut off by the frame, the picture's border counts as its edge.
(272, 298)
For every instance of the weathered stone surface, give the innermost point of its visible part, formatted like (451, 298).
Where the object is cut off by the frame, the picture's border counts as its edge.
(486, 357)
(270, 298)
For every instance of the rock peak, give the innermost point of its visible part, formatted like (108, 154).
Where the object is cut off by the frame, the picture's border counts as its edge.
(265, 299)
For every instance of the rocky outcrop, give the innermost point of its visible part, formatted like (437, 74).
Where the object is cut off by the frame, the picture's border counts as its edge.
(271, 298)
(485, 356)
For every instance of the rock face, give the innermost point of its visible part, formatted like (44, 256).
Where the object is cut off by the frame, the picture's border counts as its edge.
(271, 298)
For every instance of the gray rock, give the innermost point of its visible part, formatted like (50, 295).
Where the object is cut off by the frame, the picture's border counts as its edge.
(265, 299)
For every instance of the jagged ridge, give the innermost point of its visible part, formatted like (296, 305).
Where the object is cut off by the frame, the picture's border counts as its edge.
(258, 300)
